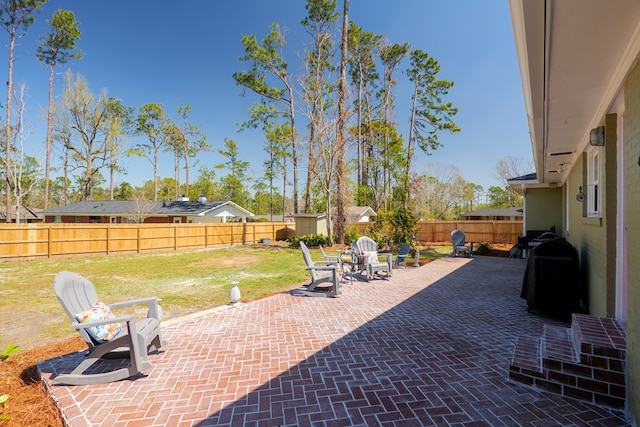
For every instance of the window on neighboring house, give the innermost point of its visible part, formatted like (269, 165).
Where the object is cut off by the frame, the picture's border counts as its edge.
(594, 184)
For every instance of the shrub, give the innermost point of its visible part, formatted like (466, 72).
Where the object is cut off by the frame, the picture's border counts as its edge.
(311, 240)
(394, 227)
(483, 248)
(351, 235)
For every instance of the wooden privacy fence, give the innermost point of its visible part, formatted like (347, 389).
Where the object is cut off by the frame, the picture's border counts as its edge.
(47, 240)
(500, 232)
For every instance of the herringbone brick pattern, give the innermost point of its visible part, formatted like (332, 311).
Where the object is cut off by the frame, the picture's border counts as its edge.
(429, 347)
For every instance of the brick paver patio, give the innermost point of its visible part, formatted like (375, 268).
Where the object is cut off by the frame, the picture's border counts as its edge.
(430, 346)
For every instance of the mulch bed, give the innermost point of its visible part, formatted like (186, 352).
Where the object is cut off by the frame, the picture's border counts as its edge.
(29, 403)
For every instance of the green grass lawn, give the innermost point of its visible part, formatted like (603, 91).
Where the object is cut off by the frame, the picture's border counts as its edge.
(185, 281)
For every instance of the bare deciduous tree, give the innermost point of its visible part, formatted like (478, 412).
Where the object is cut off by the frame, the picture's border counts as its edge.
(512, 167)
(15, 17)
(143, 209)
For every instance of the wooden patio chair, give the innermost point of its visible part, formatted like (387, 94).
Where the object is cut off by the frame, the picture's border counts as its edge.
(104, 333)
(368, 250)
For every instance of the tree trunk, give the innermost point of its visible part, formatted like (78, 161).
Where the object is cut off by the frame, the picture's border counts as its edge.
(294, 151)
(112, 183)
(410, 147)
(186, 172)
(155, 176)
(341, 169)
(47, 164)
(66, 174)
(8, 133)
(284, 192)
(311, 164)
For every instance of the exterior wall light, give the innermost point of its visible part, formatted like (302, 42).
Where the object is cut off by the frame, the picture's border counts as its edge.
(596, 137)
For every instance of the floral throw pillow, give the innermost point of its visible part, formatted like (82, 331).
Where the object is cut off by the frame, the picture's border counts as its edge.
(371, 257)
(100, 311)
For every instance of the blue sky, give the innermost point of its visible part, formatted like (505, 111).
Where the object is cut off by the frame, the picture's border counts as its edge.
(175, 53)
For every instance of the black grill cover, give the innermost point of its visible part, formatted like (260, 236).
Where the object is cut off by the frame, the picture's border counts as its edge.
(552, 282)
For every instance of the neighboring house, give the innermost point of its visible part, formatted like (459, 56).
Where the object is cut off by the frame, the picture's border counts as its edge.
(580, 69)
(23, 214)
(134, 211)
(359, 214)
(488, 214)
(355, 214)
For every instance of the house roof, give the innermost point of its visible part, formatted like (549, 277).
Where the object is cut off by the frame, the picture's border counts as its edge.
(128, 207)
(573, 57)
(25, 212)
(523, 178)
(309, 215)
(494, 212)
(529, 180)
(359, 211)
(356, 211)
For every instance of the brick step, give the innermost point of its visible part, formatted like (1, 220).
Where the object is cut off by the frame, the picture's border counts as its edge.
(558, 344)
(601, 341)
(585, 361)
(526, 354)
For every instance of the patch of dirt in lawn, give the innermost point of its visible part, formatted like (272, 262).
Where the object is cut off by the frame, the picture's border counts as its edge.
(226, 262)
(25, 329)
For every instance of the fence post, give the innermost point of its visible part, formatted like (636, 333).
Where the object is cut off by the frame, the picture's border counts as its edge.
(244, 233)
(49, 242)
(493, 231)
(175, 237)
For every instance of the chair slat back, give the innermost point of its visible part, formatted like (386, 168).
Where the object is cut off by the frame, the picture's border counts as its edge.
(458, 238)
(365, 243)
(308, 261)
(76, 294)
(405, 248)
(324, 254)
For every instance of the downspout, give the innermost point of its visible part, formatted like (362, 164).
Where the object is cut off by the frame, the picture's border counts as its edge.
(524, 209)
